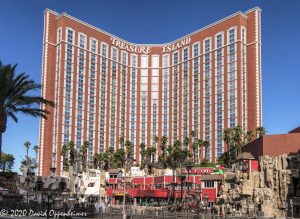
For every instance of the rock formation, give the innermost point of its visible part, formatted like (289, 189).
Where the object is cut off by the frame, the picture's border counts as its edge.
(267, 192)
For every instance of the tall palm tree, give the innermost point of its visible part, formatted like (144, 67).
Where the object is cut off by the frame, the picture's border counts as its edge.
(142, 148)
(36, 151)
(260, 131)
(83, 152)
(121, 141)
(205, 144)
(71, 148)
(195, 147)
(27, 146)
(15, 98)
(163, 144)
(186, 142)
(248, 136)
(64, 154)
(238, 139)
(228, 136)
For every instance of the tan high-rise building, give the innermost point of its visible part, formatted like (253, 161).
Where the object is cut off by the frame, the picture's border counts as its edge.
(105, 87)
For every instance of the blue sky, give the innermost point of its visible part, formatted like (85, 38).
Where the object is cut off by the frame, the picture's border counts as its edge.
(158, 21)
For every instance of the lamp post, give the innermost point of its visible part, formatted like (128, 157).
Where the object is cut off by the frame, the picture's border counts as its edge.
(188, 167)
(182, 179)
(198, 190)
(206, 199)
(127, 162)
(292, 209)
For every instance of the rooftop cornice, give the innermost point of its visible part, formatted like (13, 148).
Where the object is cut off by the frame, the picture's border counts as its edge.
(239, 13)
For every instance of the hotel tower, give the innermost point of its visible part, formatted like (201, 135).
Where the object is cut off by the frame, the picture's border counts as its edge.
(105, 87)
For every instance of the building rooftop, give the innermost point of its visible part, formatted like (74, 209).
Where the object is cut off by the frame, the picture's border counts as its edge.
(245, 156)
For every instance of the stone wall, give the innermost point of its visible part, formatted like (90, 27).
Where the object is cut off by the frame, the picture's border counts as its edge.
(267, 191)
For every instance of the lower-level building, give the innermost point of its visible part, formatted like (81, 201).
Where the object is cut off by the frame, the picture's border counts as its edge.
(159, 190)
(274, 145)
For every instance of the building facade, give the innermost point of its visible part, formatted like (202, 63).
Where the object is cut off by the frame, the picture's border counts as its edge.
(105, 88)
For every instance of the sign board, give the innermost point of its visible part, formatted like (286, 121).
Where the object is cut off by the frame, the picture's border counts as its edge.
(197, 171)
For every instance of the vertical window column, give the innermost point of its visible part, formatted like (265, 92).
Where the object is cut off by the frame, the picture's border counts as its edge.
(123, 93)
(80, 91)
(154, 97)
(133, 87)
(232, 78)
(92, 98)
(144, 96)
(185, 89)
(165, 93)
(244, 79)
(207, 95)
(175, 96)
(68, 86)
(219, 94)
(103, 87)
(113, 96)
(196, 91)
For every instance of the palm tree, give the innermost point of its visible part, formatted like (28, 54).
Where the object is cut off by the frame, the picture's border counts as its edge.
(121, 141)
(238, 139)
(186, 142)
(96, 159)
(195, 147)
(36, 151)
(71, 149)
(27, 146)
(142, 150)
(248, 136)
(228, 136)
(200, 145)
(64, 151)
(205, 144)
(163, 143)
(83, 152)
(260, 131)
(15, 98)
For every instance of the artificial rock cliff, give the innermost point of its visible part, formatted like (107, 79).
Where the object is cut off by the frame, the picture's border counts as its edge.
(267, 192)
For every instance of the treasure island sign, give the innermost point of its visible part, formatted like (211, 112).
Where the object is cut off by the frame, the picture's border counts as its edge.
(198, 171)
(147, 49)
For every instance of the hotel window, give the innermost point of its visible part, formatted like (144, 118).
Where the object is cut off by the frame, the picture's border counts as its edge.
(123, 92)
(244, 79)
(133, 97)
(219, 87)
(175, 95)
(154, 94)
(207, 94)
(114, 64)
(209, 184)
(103, 78)
(80, 88)
(91, 96)
(68, 82)
(185, 89)
(165, 93)
(144, 96)
(232, 87)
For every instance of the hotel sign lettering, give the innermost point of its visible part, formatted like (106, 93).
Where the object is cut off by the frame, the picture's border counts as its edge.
(199, 171)
(177, 45)
(131, 47)
(147, 49)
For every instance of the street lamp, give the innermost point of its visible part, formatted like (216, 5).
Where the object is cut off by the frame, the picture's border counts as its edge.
(292, 209)
(206, 199)
(188, 167)
(182, 179)
(198, 190)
